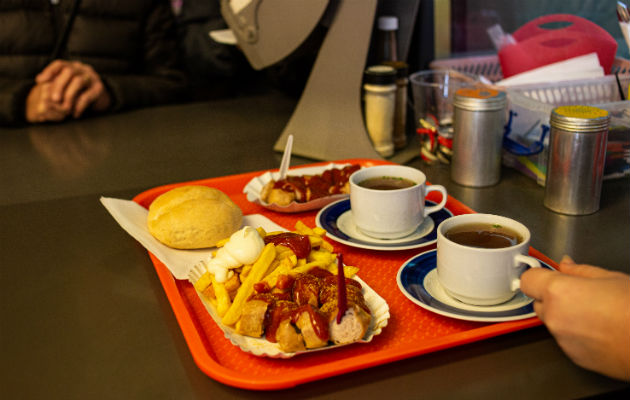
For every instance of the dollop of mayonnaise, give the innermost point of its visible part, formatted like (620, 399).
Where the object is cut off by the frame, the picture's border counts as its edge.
(244, 247)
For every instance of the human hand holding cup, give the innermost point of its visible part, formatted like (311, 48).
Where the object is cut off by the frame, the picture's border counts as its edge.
(395, 211)
(480, 257)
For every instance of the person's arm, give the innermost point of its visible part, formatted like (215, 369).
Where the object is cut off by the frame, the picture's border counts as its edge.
(159, 78)
(13, 94)
(587, 310)
(206, 60)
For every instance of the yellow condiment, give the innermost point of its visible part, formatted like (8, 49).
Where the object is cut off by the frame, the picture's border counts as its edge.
(586, 112)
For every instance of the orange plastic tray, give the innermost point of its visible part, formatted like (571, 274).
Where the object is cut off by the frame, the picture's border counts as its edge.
(411, 331)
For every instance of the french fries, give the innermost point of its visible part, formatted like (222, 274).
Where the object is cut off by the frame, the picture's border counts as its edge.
(275, 260)
(223, 298)
(303, 229)
(258, 271)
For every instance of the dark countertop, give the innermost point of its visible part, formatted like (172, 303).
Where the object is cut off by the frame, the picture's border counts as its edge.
(84, 314)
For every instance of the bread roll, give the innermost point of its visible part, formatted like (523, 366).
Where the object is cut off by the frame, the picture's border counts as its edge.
(193, 217)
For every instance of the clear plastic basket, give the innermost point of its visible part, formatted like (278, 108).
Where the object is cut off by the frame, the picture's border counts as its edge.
(490, 67)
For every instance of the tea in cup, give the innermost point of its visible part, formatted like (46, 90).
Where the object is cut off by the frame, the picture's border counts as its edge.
(387, 201)
(480, 257)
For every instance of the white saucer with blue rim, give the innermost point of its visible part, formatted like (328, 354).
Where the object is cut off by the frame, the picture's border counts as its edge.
(417, 280)
(336, 219)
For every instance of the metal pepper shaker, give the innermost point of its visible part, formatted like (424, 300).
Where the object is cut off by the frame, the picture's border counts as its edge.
(577, 154)
(400, 111)
(478, 123)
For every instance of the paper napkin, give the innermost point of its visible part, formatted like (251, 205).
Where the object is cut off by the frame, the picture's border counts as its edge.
(132, 217)
(581, 67)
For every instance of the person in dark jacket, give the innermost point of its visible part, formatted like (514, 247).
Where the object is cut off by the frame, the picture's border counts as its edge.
(215, 69)
(62, 59)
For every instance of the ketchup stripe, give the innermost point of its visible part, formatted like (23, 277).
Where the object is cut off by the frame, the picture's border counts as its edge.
(342, 301)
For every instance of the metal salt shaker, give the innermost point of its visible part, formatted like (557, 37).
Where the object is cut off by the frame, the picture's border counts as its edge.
(577, 154)
(478, 123)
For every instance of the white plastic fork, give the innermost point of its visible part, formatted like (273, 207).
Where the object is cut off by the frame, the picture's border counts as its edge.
(286, 157)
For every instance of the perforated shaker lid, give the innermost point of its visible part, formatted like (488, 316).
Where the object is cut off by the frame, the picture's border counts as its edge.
(579, 118)
(480, 99)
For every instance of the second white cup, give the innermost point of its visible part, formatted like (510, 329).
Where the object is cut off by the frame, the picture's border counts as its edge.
(392, 212)
(476, 263)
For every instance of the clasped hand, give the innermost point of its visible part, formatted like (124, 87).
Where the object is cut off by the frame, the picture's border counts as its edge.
(65, 89)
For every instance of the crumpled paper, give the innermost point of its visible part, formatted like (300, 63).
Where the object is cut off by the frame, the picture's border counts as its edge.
(132, 217)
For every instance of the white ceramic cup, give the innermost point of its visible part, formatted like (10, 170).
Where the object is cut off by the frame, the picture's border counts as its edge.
(391, 214)
(482, 276)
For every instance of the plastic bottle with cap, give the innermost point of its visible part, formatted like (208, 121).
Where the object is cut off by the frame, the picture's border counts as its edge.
(387, 42)
(380, 103)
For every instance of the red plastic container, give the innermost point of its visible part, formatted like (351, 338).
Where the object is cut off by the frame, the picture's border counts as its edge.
(537, 45)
